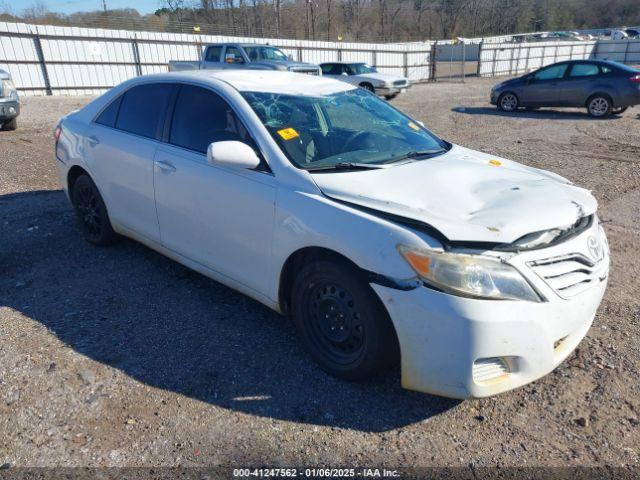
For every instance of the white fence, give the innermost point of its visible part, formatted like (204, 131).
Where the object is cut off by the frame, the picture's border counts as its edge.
(516, 58)
(45, 59)
(51, 60)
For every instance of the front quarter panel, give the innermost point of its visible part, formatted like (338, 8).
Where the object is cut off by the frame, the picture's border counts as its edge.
(311, 220)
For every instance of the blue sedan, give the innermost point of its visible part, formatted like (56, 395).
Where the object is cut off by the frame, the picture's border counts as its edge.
(602, 87)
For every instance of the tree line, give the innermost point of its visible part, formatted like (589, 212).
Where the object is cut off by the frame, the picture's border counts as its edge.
(353, 20)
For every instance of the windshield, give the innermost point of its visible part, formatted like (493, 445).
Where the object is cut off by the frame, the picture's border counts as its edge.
(265, 53)
(360, 68)
(345, 127)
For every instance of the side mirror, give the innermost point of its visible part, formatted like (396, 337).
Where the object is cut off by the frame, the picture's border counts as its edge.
(345, 74)
(232, 154)
(530, 79)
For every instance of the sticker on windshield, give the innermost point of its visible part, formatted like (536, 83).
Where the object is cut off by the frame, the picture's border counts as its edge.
(413, 125)
(288, 133)
(495, 163)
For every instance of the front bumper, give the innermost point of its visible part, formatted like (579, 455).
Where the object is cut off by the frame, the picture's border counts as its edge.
(391, 90)
(493, 97)
(9, 109)
(443, 336)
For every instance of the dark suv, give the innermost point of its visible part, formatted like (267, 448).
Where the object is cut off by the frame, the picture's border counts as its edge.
(602, 87)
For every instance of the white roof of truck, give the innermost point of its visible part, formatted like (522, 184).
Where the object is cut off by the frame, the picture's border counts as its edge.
(268, 81)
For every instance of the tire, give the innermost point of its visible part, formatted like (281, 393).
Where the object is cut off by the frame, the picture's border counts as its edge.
(619, 110)
(508, 102)
(368, 86)
(91, 212)
(341, 322)
(10, 125)
(599, 106)
(390, 97)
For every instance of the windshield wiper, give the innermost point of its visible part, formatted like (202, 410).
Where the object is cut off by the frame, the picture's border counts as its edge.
(345, 166)
(417, 155)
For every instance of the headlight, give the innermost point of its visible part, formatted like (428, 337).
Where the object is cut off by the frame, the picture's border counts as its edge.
(7, 88)
(469, 275)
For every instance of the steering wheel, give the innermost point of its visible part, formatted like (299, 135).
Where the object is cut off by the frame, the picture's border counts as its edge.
(353, 137)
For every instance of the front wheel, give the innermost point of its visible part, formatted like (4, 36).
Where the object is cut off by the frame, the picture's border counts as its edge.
(340, 321)
(508, 102)
(599, 106)
(92, 212)
(10, 125)
(367, 86)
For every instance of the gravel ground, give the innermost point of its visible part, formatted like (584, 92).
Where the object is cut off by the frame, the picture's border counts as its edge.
(121, 357)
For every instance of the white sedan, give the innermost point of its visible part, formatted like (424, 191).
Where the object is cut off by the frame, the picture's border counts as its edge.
(367, 77)
(381, 241)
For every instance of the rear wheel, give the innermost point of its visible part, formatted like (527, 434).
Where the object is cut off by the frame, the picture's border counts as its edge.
(508, 102)
(619, 110)
(599, 106)
(92, 212)
(10, 125)
(340, 321)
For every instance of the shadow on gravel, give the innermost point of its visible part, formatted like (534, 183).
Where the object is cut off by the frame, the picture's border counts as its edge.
(539, 114)
(135, 310)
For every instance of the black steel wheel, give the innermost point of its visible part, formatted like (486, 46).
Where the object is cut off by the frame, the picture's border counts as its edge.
(341, 322)
(92, 212)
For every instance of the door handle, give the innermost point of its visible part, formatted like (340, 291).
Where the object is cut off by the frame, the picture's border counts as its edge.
(93, 141)
(165, 166)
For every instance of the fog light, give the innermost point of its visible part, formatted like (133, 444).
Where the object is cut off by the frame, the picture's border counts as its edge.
(12, 110)
(490, 369)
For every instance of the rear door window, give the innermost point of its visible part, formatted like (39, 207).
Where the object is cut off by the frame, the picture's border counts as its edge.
(584, 70)
(554, 72)
(143, 108)
(202, 117)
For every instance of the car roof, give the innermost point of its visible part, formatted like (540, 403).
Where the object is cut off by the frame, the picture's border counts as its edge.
(267, 81)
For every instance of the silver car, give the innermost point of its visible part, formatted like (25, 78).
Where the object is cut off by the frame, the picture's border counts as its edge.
(367, 77)
(9, 102)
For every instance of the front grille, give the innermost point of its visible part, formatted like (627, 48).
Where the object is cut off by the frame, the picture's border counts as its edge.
(488, 369)
(400, 83)
(570, 275)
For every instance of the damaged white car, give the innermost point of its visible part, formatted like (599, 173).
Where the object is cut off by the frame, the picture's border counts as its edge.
(382, 241)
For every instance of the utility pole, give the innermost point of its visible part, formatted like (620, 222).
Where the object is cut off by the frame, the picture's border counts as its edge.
(104, 5)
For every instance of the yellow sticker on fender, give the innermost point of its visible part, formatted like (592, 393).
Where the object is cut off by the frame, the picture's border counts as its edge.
(495, 163)
(288, 133)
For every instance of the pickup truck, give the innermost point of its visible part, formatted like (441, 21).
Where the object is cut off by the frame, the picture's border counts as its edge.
(251, 56)
(9, 102)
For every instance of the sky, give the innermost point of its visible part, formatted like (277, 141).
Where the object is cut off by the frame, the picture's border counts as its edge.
(71, 6)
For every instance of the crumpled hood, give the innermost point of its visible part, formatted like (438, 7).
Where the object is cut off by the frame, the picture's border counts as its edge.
(464, 196)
